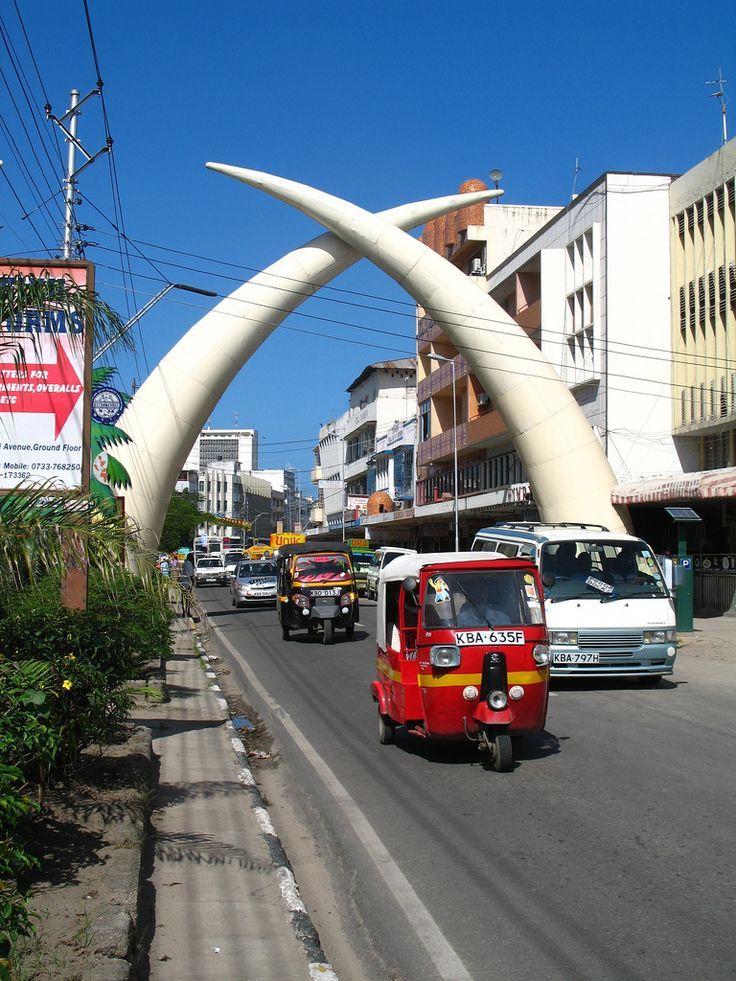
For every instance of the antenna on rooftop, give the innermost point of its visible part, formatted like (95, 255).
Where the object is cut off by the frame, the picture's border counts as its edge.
(578, 168)
(721, 96)
(236, 420)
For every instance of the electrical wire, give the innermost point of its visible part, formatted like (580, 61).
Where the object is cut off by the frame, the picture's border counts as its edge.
(615, 347)
(406, 353)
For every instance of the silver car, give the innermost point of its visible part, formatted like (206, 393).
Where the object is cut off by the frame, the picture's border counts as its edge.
(253, 582)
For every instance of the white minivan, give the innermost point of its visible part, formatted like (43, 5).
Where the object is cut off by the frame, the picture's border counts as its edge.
(608, 608)
(379, 560)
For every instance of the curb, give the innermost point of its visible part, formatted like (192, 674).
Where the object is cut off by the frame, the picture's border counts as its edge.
(304, 930)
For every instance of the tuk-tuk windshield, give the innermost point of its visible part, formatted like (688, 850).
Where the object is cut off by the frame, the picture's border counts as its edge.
(322, 568)
(481, 598)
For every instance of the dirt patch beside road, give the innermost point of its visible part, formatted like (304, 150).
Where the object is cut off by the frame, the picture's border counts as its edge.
(89, 839)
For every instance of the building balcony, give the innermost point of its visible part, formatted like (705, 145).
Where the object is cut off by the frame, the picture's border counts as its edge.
(440, 377)
(428, 330)
(442, 446)
(473, 478)
(360, 416)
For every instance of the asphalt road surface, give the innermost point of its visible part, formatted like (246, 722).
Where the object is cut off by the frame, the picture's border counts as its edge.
(609, 852)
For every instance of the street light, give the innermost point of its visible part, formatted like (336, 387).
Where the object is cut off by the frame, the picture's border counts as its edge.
(144, 310)
(441, 357)
(253, 522)
(496, 176)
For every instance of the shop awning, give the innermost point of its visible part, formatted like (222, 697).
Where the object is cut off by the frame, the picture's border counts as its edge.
(697, 486)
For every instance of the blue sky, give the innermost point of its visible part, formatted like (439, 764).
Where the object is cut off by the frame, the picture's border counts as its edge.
(379, 102)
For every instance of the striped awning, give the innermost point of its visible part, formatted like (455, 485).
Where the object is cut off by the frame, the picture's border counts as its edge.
(698, 486)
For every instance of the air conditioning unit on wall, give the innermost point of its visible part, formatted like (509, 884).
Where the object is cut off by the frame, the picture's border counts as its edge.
(484, 400)
(476, 267)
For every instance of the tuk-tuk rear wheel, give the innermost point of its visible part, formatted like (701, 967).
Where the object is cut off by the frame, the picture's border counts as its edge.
(386, 730)
(502, 756)
(329, 634)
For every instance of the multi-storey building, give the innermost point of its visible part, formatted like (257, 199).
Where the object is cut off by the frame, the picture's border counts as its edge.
(368, 444)
(220, 445)
(227, 491)
(703, 243)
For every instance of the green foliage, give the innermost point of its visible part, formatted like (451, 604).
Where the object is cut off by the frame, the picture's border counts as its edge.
(36, 527)
(15, 921)
(63, 673)
(180, 525)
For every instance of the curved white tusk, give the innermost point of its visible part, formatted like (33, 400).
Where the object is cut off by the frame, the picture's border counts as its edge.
(566, 466)
(170, 409)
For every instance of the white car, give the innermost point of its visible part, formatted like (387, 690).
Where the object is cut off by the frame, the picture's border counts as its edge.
(253, 582)
(210, 570)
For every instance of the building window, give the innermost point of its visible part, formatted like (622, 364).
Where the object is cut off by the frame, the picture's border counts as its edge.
(424, 421)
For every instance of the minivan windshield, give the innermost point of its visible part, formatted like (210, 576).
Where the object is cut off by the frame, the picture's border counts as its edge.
(601, 570)
(481, 598)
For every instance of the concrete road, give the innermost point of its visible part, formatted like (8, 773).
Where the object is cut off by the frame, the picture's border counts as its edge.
(609, 852)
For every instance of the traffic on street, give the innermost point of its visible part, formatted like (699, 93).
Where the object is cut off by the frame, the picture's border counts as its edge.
(606, 852)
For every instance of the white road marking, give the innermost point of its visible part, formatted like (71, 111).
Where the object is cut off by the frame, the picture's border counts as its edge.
(444, 957)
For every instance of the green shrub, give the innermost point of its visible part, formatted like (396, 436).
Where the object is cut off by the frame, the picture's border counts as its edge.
(15, 921)
(63, 673)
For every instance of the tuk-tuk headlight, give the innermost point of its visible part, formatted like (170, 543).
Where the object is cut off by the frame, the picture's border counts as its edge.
(444, 655)
(540, 653)
(346, 599)
(498, 700)
(300, 600)
(566, 637)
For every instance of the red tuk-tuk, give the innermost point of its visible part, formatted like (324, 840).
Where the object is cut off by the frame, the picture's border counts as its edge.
(462, 650)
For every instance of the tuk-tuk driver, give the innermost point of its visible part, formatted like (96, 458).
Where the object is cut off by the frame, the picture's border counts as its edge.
(480, 601)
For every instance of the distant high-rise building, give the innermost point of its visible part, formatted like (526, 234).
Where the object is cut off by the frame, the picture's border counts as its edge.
(223, 446)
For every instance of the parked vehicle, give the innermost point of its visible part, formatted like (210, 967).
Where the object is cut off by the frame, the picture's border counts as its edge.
(379, 560)
(461, 650)
(253, 582)
(317, 589)
(210, 570)
(361, 564)
(607, 605)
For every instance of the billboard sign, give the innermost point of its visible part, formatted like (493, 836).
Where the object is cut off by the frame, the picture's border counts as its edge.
(286, 538)
(45, 381)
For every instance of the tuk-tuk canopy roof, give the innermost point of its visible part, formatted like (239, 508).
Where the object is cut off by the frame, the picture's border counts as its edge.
(411, 565)
(313, 548)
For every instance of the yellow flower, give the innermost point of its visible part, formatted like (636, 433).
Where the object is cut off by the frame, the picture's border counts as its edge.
(66, 684)
(70, 657)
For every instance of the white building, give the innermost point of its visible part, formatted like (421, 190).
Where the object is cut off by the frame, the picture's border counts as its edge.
(220, 445)
(382, 400)
(600, 273)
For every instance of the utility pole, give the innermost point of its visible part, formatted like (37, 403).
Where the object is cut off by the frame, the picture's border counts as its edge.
(72, 171)
(720, 94)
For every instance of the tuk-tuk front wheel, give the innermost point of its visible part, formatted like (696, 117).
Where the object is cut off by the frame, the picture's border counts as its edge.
(386, 730)
(500, 751)
(329, 634)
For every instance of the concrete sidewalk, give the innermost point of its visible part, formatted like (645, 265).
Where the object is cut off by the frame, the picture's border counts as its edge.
(213, 901)
(712, 637)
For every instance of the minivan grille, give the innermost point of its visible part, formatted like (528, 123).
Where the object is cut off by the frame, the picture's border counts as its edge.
(610, 640)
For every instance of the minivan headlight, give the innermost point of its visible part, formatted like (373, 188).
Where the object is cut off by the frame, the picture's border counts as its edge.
(444, 655)
(564, 637)
(660, 636)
